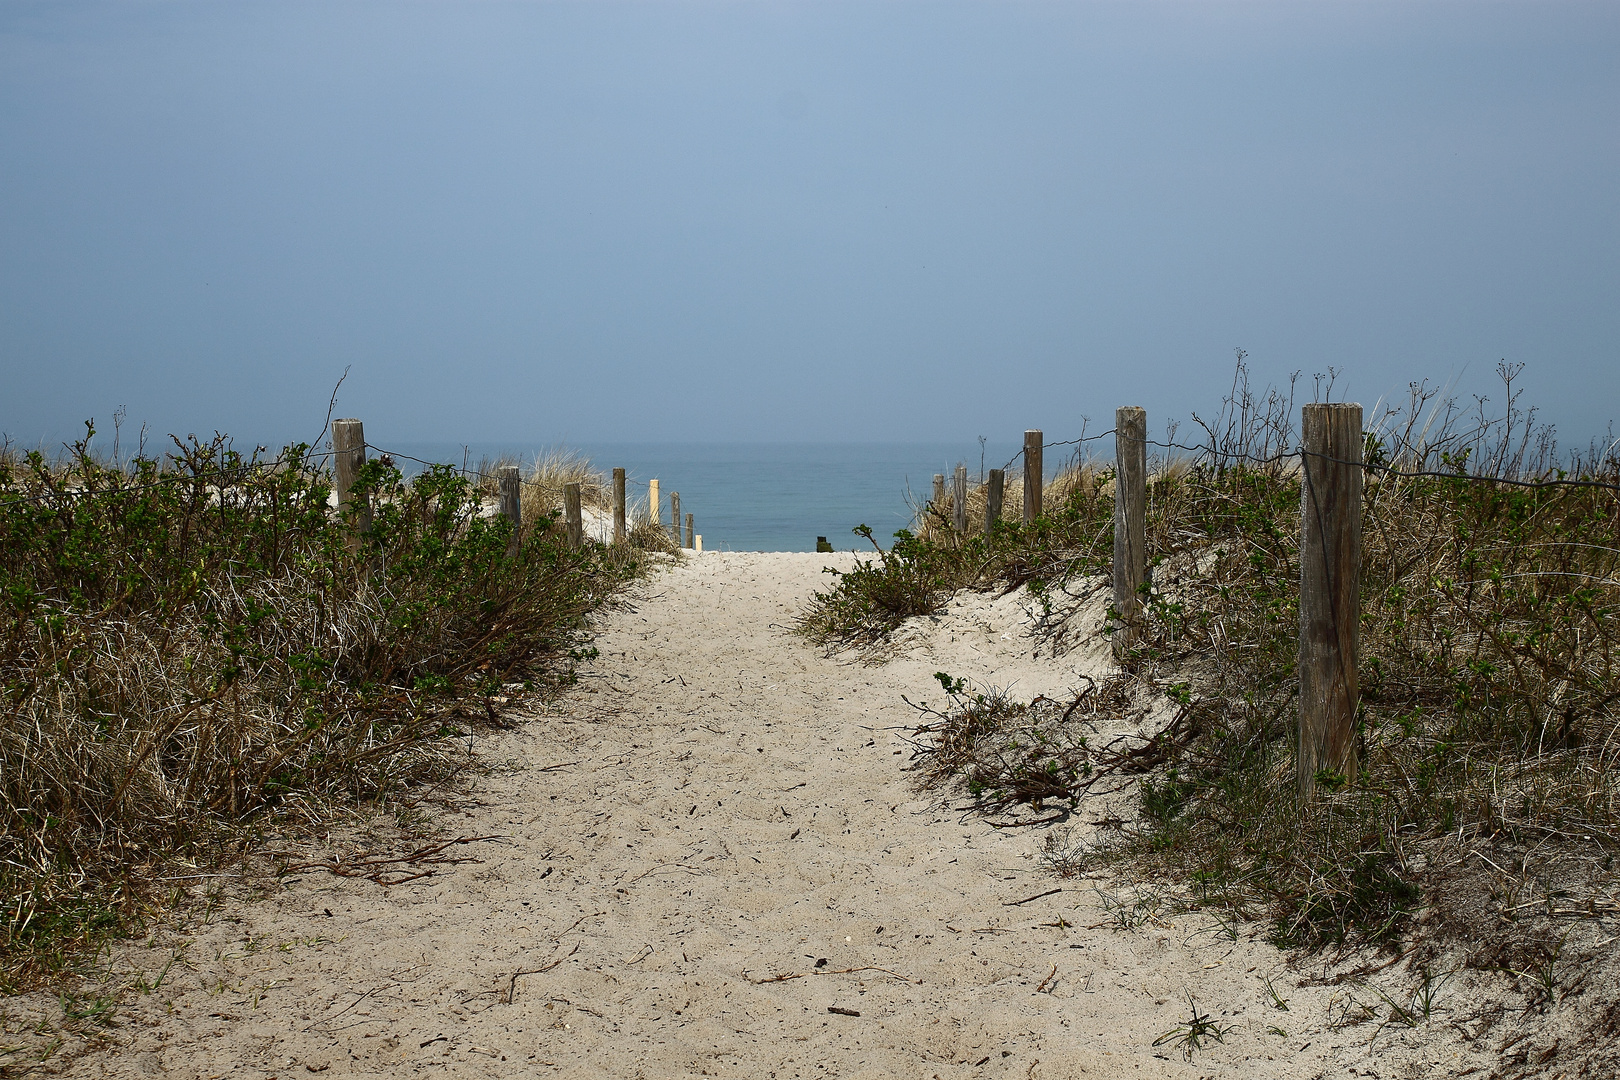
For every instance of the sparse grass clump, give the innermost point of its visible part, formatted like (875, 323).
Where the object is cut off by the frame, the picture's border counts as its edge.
(192, 644)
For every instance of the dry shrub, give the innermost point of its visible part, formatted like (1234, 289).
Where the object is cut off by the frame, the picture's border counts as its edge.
(1490, 722)
(189, 646)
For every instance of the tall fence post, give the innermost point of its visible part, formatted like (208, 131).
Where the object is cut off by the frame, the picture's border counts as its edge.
(1329, 590)
(618, 506)
(509, 486)
(654, 508)
(994, 488)
(675, 517)
(690, 533)
(1130, 525)
(573, 516)
(1032, 475)
(959, 499)
(348, 455)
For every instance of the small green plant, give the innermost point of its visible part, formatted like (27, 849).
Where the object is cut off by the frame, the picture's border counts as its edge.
(1273, 997)
(1130, 912)
(1199, 1030)
(1427, 994)
(1399, 1013)
(1544, 976)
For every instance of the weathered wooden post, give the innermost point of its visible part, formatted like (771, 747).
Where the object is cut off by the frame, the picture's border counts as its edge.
(675, 517)
(992, 501)
(573, 516)
(618, 506)
(959, 500)
(348, 455)
(1130, 525)
(690, 533)
(1032, 475)
(653, 506)
(509, 489)
(1329, 590)
(937, 504)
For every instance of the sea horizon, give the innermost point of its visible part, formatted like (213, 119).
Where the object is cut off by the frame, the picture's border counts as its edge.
(762, 496)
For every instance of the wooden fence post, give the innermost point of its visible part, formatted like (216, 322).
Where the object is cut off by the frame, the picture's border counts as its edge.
(653, 507)
(573, 516)
(1329, 590)
(618, 506)
(992, 501)
(1032, 475)
(959, 500)
(675, 517)
(689, 531)
(348, 455)
(509, 488)
(1130, 525)
(937, 504)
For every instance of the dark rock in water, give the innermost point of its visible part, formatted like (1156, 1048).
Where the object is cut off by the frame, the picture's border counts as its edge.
(822, 545)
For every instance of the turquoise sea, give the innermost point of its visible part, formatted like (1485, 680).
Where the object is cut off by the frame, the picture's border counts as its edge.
(770, 496)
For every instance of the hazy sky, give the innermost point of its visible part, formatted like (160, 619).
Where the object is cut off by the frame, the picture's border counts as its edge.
(793, 221)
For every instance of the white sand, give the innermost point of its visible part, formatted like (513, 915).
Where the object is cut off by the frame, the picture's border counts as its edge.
(719, 805)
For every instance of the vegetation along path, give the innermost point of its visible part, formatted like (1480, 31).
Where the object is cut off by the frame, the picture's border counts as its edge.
(710, 860)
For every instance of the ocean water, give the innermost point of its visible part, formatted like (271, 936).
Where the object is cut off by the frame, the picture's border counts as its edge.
(769, 496)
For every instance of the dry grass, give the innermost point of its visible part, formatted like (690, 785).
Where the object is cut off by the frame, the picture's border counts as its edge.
(1490, 724)
(190, 649)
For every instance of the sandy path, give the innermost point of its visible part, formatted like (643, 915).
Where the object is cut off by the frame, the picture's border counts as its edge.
(719, 805)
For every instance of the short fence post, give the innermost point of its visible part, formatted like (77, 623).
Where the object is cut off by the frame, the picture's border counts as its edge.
(618, 506)
(992, 501)
(959, 500)
(1130, 525)
(653, 506)
(689, 531)
(573, 516)
(1032, 476)
(675, 517)
(348, 455)
(1329, 590)
(509, 487)
(937, 504)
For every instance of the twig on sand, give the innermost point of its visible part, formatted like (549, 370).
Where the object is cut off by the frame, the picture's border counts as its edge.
(839, 971)
(1027, 899)
(511, 986)
(352, 1004)
(577, 921)
(661, 866)
(1047, 982)
(1059, 816)
(375, 867)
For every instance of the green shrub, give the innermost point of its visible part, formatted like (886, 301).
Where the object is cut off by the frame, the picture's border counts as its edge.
(188, 645)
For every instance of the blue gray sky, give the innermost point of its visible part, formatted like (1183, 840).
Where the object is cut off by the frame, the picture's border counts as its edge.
(542, 222)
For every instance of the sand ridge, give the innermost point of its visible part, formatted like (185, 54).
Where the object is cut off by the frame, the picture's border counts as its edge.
(709, 860)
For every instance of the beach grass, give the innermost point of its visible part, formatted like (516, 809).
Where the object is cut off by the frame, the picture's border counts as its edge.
(197, 652)
(1489, 727)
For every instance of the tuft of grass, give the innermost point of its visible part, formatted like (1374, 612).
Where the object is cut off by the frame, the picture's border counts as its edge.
(1199, 1030)
(190, 646)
